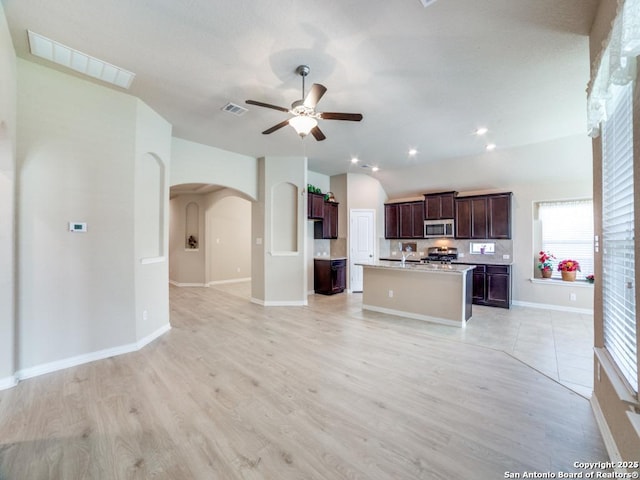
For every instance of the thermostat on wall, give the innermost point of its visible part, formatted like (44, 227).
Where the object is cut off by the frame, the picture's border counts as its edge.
(78, 227)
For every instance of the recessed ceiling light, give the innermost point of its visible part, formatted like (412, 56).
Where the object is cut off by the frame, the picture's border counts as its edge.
(55, 52)
(491, 146)
(481, 130)
(375, 169)
(354, 159)
(413, 152)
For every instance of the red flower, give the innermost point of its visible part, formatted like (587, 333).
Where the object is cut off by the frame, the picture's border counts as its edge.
(568, 266)
(544, 260)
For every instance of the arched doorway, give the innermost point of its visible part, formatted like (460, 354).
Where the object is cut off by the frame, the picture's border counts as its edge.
(209, 237)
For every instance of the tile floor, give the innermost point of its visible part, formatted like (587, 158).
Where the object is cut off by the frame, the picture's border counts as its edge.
(558, 344)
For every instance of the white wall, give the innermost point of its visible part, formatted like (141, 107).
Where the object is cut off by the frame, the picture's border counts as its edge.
(152, 162)
(75, 146)
(187, 266)
(279, 277)
(7, 210)
(78, 144)
(228, 234)
(196, 163)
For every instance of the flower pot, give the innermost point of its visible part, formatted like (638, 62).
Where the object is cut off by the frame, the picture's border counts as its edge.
(568, 276)
(546, 273)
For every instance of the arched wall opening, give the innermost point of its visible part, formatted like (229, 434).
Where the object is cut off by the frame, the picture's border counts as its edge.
(209, 235)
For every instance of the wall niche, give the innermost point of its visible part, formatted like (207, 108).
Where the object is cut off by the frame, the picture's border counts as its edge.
(192, 225)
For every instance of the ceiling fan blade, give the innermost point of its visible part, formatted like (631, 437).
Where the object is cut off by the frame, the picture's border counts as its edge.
(266, 105)
(353, 117)
(317, 133)
(276, 127)
(314, 95)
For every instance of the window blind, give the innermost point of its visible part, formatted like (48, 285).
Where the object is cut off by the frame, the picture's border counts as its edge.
(567, 233)
(618, 257)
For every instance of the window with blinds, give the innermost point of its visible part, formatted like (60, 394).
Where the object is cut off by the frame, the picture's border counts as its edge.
(567, 233)
(618, 263)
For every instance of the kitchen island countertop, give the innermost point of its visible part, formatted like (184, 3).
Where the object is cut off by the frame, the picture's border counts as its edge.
(420, 267)
(440, 293)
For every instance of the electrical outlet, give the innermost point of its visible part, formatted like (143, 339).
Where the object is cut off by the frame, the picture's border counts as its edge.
(572, 297)
(506, 257)
(145, 315)
(390, 293)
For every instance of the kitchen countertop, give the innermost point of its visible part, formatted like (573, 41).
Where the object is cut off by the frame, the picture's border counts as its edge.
(329, 258)
(464, 261)
(419, 267)
(483, 262)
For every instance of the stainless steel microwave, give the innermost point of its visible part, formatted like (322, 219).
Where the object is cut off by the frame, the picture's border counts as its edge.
(438, 228)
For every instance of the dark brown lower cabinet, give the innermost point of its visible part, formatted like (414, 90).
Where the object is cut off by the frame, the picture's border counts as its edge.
(492, 285)
(329, 276)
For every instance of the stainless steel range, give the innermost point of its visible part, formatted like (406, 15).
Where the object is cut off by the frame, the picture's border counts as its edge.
(441, 255)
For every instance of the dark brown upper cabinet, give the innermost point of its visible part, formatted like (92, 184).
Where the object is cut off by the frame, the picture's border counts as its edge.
(315, 206)
(404, 220)
(328, 227)
(499, 207)
(483, 216)
(391, 227)
(439, 205)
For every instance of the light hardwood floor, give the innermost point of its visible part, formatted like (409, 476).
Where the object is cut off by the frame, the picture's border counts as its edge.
(239, 391)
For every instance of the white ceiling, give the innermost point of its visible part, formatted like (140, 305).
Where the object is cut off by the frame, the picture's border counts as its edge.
(423, 78)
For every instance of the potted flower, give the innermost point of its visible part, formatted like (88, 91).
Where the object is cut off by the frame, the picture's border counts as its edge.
(545, 264)
(568, 269)
(590, 278)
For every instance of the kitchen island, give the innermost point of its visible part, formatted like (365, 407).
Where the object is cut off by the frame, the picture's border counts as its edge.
(432, 292)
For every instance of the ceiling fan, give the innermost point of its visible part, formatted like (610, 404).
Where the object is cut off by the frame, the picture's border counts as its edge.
(305, 118)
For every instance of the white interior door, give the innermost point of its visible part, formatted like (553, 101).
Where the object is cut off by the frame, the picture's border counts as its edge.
(362, 241)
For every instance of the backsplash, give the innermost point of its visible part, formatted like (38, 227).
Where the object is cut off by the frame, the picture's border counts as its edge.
(391, 249)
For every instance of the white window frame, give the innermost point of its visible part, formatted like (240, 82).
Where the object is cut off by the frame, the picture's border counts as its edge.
(561, 247)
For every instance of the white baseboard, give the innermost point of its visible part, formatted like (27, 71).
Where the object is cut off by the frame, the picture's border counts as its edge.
(74, 361)
(233, 280)
(8, 382)
(178, 284)
(607, 437)
(548, 306)
(209, 284)
(87, 357)
(143, 342)
(287, 303)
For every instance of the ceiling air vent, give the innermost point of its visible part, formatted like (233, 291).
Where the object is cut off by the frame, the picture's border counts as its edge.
(237, 110)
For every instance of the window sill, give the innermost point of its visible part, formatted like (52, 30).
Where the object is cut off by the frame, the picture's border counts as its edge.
(623, 390)
(556, 281)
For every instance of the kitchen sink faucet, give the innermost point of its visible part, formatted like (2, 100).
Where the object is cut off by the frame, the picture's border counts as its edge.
(406, 253)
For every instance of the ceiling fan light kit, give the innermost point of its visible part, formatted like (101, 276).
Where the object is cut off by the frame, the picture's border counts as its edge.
(303, 124)
(305, 118)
